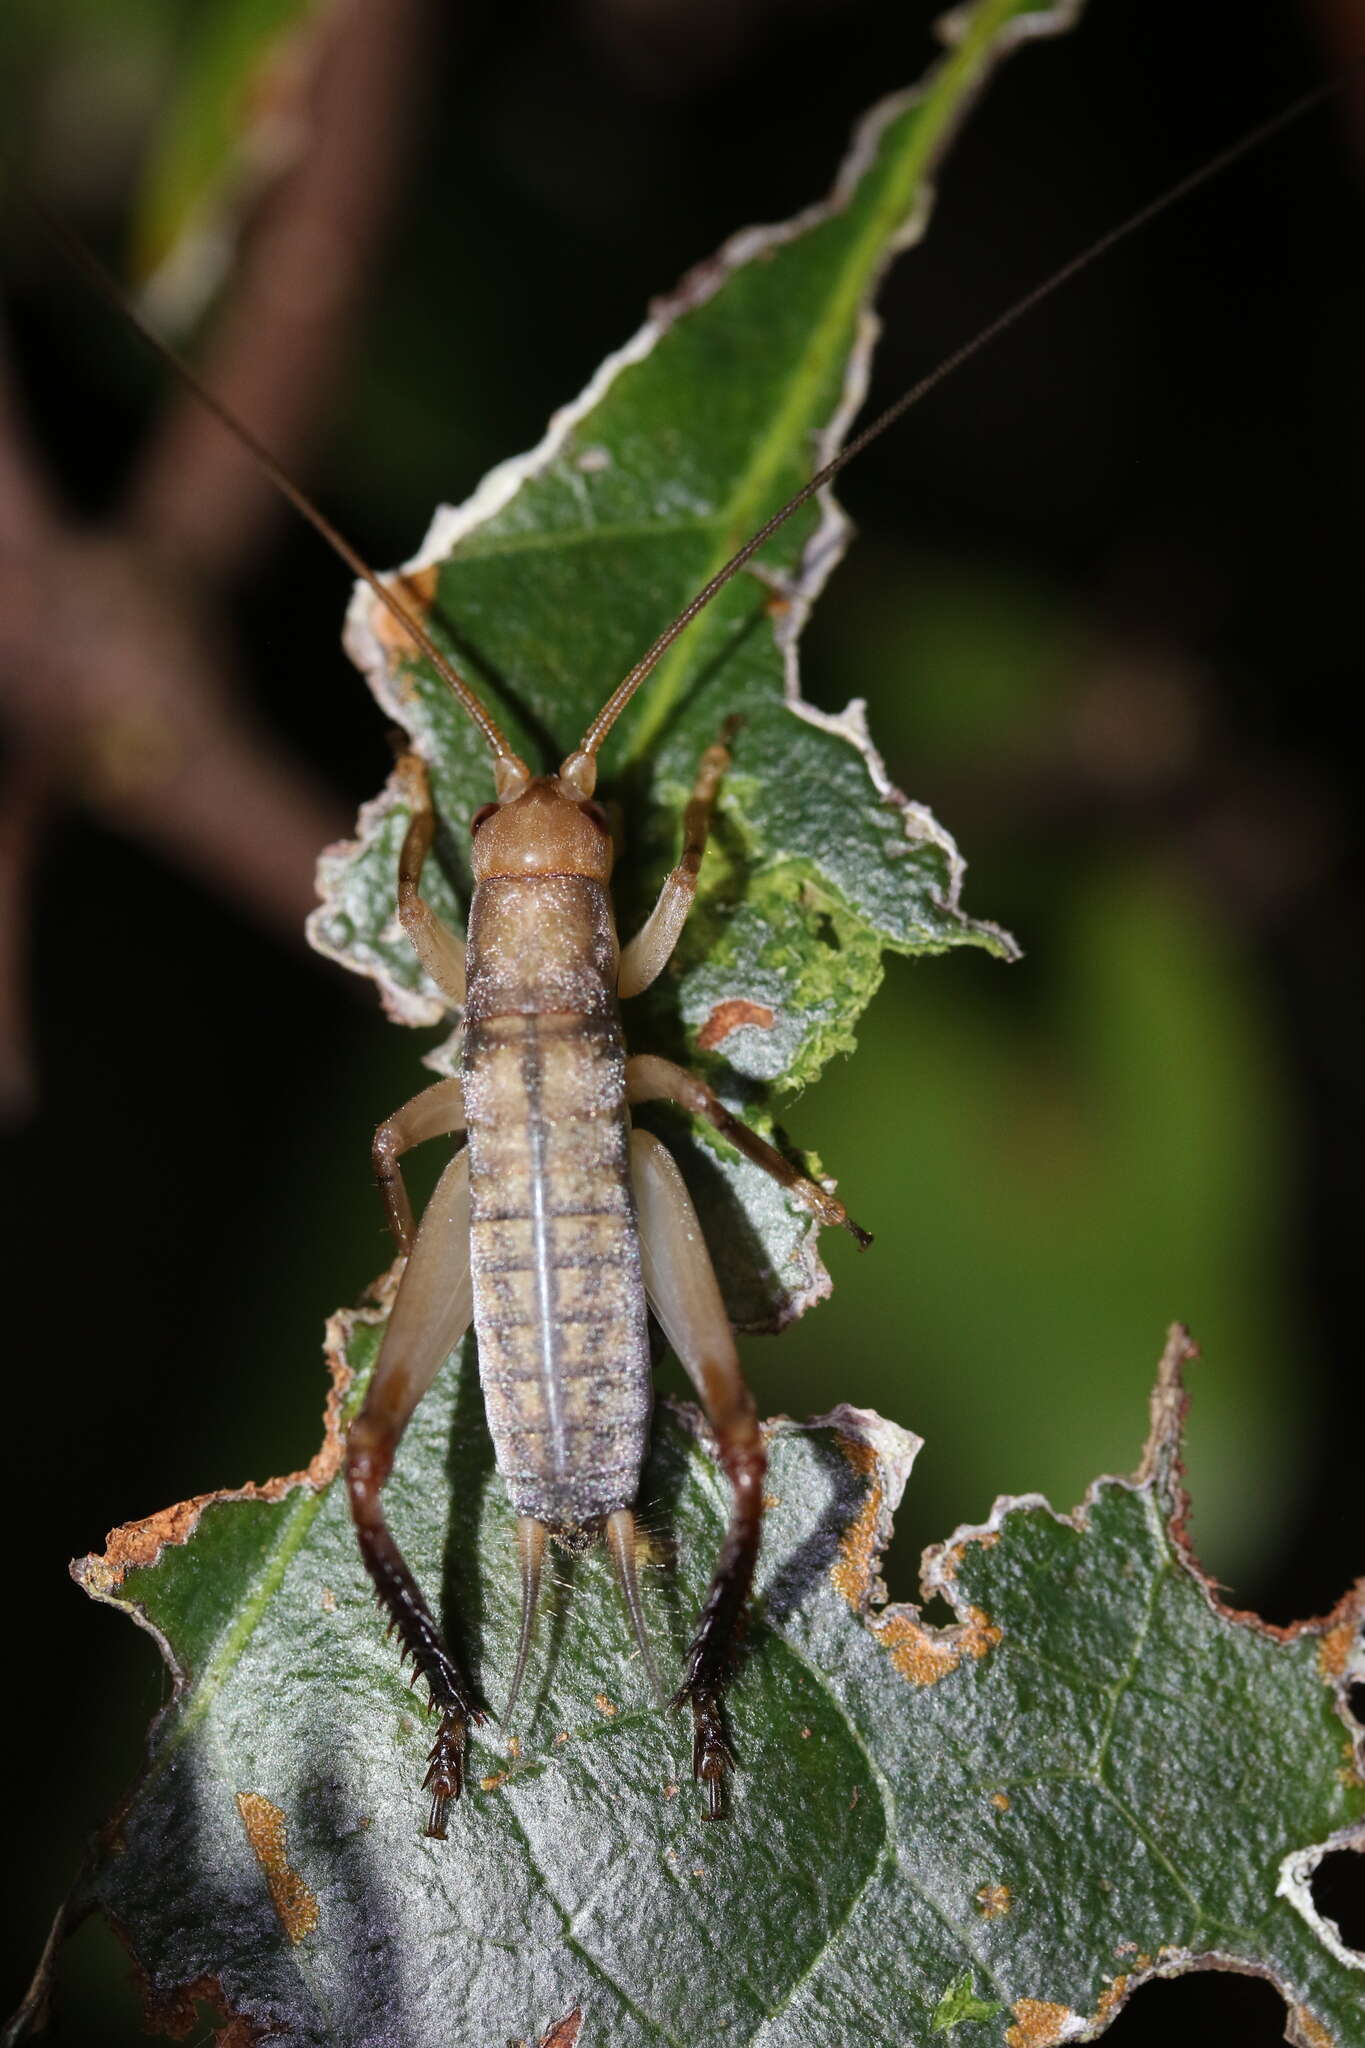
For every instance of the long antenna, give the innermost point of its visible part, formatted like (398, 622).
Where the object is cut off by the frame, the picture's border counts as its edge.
(109, 289)
(1211, 168)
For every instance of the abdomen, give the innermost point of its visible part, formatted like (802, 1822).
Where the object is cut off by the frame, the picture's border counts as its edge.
(559, 1307)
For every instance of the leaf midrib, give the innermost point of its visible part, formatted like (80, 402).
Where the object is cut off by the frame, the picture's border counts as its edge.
(942, 105)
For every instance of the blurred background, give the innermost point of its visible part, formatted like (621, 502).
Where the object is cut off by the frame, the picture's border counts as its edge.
(1104, 607)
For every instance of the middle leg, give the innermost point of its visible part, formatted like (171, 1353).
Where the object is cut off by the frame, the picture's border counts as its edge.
(438, 1112)
(651, 1079)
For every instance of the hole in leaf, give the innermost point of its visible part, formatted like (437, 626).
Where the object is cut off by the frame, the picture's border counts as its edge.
(1338, 1888)
(1207, 2006)
(1355, 1700)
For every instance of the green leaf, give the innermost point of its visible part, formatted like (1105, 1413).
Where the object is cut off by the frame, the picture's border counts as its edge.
(563, 567)
(1094, 1774)
(960, 2004)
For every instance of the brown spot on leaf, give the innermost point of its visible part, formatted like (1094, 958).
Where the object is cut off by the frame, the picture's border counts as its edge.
(138, 1545)
(1309, 2030)
(993, 1901)
(1110, 1999)
(855, 1568)
(1335, 1647)
(1038, 2024)
(564, 2033)
(491, 1784)
(728, 1016)
(295, 1905)
(173, 2013)
(514, 1747)
(329, 1600)
(416, 590)
(924, 1655)
(605, 1706)
(1001, 1800)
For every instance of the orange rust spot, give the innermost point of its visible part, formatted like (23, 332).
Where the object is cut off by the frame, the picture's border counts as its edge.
(1110, 1999)
(1310, 2030)
(295, 1905)
(1335, 1647)
(417, 590)
(728, 1016)
(993, 1901)
(138, 1545)
(1001, 1800)
(855, 1567)
(604, 1705)
(1037, 2024)
(492, 1783)
(924, 1655)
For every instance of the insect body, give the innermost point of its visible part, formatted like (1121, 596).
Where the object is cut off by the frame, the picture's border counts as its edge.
(554, 1228)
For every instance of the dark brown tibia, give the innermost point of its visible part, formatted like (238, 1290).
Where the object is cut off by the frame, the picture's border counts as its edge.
(367, 1467)
(710, 1661)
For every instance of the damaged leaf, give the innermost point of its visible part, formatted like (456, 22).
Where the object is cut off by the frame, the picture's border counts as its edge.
(1095, 1773)
(550, 582)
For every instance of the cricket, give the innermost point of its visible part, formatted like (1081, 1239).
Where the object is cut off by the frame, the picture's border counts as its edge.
(557, 1229)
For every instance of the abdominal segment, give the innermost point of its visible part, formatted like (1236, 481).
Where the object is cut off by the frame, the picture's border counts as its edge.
(559, 1304)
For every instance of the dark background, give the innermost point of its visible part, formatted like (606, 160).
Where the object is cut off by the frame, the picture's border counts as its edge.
(1105, 608)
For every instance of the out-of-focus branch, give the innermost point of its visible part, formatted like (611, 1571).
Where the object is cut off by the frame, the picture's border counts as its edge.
(278, 342)
(26, 507)
(23, 809)
(117, 685)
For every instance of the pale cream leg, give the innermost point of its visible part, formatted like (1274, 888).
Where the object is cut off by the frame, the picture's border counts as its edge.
(651, 1079)
(682, 1291)
(648, 953)
(431, 1313)
(436, 946)
(438, 1112)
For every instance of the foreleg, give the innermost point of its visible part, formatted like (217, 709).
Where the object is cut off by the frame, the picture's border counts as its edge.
(438, 1112)
(436, 946)
(651, 1079)
(682, 1291)
(431, 1313)
(648, 953)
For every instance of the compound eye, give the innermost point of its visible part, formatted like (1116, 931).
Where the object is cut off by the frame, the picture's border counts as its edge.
(598, 815)
(480, 819)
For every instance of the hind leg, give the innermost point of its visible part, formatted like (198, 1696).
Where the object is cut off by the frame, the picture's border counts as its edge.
(431, 1313)
(683, 1294)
